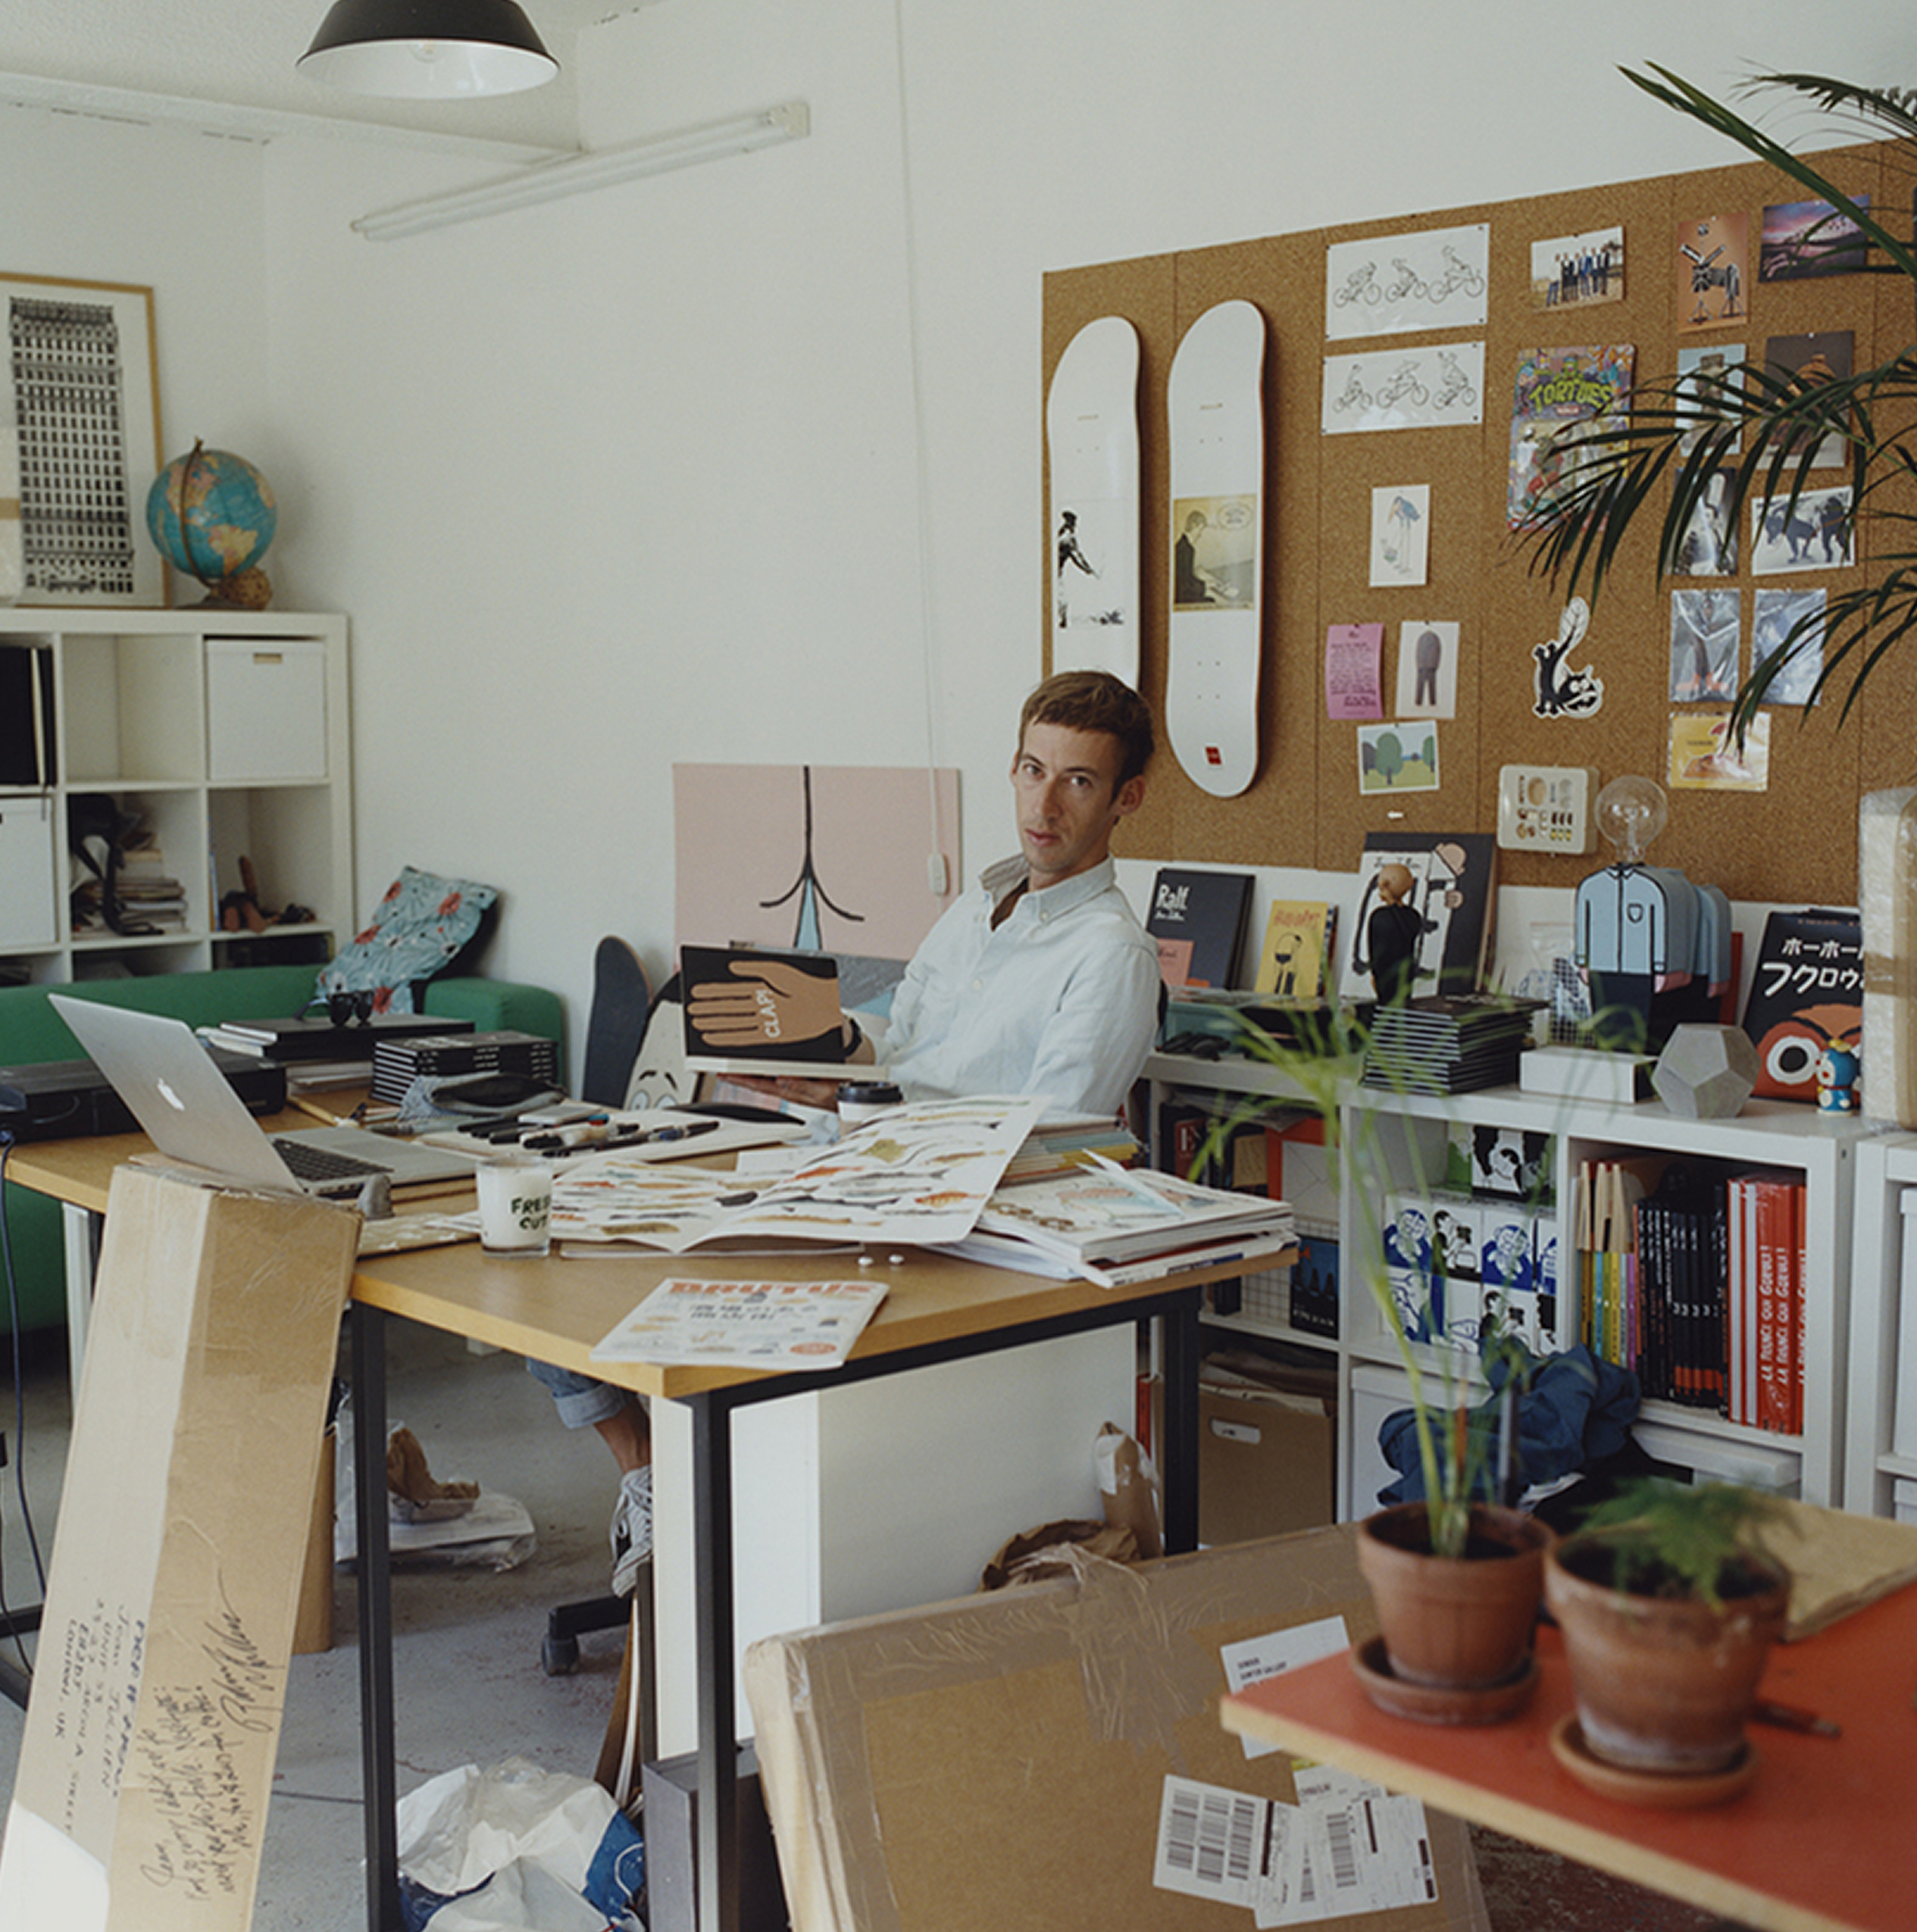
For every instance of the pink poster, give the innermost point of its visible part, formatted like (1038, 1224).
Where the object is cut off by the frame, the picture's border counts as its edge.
(825, 857)
(1353, 657)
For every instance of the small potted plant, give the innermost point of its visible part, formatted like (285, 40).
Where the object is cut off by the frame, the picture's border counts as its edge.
(1456, 1578)
(1669, 1600)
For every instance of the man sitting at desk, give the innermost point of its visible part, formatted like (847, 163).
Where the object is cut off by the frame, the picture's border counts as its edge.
(1040, 980)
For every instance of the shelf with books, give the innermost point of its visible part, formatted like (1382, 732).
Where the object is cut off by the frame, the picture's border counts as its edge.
(1450, 1154)
(1880, 1439)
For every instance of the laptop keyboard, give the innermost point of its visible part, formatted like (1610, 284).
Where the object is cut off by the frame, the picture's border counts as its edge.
(310, 1163)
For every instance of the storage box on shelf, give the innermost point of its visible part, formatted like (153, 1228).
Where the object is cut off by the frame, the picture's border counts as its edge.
(225, 733)
(1881, 1442)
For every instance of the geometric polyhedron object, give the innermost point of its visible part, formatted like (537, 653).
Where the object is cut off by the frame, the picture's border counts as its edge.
(1707, 1073)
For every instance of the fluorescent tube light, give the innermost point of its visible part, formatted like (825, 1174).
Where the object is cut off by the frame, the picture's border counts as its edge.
(572, 174)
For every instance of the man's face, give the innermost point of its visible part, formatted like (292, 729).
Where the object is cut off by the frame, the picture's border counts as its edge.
(1065, 789)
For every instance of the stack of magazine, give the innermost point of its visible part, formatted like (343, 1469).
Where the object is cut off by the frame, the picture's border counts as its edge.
(1448, 1042)
(1116, 1225)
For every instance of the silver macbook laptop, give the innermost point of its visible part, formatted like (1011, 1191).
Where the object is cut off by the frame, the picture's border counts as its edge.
(176, 1092)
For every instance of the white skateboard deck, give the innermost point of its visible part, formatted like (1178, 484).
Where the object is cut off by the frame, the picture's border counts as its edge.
(1214, 402)
(1091, 429)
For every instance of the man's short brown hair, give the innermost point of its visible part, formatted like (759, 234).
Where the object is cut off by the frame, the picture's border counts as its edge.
(1096, 701)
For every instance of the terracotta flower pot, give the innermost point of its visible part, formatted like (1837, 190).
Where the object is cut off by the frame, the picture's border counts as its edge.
(1662, 1683)
(1462, 1622)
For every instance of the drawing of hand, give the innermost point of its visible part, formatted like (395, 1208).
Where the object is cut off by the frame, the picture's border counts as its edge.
(771, 1004)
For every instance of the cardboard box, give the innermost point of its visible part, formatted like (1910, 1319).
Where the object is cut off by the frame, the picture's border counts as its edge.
(141, 1795)
(1003, 1761)
(1266, 1459)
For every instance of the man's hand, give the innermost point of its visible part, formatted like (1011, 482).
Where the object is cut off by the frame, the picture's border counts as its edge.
(772, 1004)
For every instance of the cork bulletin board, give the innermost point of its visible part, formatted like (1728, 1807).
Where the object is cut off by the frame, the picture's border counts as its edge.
(1796, 840)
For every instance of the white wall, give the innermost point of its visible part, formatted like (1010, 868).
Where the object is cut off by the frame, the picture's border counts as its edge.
(633, 478)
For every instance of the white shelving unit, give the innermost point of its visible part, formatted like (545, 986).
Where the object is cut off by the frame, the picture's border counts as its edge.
(1876, 1477)
(1396, 1141)
(227, 731)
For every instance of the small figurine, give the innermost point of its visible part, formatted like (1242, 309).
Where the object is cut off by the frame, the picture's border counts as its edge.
(1836, 1080)
(1392, 936)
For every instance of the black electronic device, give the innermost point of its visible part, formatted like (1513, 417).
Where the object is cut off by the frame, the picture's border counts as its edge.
(71, 1099)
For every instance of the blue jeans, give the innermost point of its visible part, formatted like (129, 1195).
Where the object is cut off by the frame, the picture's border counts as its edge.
(580, 1400)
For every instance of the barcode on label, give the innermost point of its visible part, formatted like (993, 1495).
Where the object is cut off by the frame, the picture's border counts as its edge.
(1211, 1841)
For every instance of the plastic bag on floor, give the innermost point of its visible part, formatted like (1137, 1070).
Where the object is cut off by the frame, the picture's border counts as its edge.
(515, 1849)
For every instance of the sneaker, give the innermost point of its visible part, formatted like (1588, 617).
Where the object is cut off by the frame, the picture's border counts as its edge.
(632, 1529)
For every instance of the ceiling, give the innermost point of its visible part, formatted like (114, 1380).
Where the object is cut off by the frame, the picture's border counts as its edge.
(228, 64)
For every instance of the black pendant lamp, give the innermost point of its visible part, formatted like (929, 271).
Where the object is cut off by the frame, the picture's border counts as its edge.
(428, 50)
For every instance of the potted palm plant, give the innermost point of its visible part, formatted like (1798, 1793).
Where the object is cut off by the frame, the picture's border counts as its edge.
(1457, 1578)
(1749, 437)
(1669, 1599)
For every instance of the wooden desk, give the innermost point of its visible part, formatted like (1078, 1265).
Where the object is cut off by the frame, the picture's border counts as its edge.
(1824, 1840)
(939, 1309)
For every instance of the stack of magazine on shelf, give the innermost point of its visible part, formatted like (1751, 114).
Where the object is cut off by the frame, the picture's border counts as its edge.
(1448, 1042)
(1117, 1226)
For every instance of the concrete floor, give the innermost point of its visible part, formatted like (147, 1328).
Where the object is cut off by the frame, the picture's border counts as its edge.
(469, 1685)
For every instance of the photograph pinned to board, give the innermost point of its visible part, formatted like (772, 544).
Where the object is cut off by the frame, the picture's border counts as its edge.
(86, 413)
(1711, 270)
(1705, 636)
(1354, 657)
(1707, 757)
(1796, 240)
(1401, 540)
(1296, 957)
(1453, 889)
(1576, 271)
(1439, 386)
(1215, 553)
(1427, 669)
(1398, 757)
(1559, 397)
(1804, 363)
(1436, 278)
(1814, 534)
(1710, 381)
(1792, 620)
(1708, 546)
(1564, 689)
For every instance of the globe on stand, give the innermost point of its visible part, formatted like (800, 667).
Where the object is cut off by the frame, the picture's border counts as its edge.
(211, 515)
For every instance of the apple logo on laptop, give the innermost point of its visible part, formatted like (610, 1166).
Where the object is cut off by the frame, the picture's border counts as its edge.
(172, 1099)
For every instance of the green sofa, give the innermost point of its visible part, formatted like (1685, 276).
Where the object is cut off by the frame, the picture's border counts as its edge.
(31, 1032)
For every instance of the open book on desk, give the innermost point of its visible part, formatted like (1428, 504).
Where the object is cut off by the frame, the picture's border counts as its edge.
(1119, 1225)
(921, 1174)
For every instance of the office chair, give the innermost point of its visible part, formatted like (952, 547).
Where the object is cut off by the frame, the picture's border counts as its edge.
(622, 1002)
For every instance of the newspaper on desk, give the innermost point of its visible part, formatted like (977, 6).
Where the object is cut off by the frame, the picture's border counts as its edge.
(918, 1175)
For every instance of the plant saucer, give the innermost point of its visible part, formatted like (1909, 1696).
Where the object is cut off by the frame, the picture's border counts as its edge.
(1671, 1791)
(1433, 1704)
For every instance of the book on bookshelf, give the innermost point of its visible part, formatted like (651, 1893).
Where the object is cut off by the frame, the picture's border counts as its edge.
(1198, 921)
(1295, 958)
(1806, 993)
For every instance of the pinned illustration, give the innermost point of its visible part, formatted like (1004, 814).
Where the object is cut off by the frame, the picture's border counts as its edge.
(1563, 692)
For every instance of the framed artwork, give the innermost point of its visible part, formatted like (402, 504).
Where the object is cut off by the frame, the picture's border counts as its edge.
(84, 413)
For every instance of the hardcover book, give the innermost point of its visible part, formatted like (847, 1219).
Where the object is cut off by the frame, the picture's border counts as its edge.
(1806, 993)
(1197, 919)
(1296, 955)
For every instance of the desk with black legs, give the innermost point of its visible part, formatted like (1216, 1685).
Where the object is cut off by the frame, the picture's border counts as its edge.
(938, 1309)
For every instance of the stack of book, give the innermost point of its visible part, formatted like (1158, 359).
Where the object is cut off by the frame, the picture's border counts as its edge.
(1692, 1274)
(445, 1053)
(1117, 1226)
(1056, 1147)
(1448, 1042)
(318, 1055)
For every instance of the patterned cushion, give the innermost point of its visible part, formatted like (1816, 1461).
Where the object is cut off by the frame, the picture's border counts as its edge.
(421, 925)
